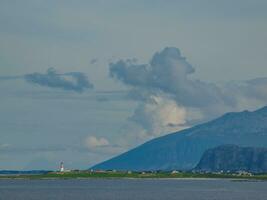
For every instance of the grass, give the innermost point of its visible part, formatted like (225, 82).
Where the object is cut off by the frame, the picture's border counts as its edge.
(106, 175)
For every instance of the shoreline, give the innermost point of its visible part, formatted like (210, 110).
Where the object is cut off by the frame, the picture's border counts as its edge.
(140, 179)
(134, 176)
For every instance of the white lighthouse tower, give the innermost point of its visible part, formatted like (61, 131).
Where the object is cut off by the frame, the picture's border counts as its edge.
(61, 168)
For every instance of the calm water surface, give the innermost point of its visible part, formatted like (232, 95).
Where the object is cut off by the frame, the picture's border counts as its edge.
(131, 189)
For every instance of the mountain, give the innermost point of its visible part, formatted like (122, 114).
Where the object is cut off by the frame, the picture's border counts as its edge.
(234, 158)
(183, 150)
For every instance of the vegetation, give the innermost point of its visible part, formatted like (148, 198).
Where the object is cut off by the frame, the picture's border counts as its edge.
(111, 174)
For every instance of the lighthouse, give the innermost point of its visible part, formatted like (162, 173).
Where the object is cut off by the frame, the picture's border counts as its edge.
(61, 168)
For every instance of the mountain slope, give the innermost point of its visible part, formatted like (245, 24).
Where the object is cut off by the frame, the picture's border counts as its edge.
(183, 149)
(234, 158)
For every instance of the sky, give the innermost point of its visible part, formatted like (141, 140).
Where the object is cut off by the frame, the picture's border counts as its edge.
(82, 81)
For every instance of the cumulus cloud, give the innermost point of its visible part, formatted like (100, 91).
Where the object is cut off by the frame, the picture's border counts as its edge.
(255, 88)
(92, 142)
(160, 115)
(101, 145)
(168, 72)
(166, 84)
(75, 81)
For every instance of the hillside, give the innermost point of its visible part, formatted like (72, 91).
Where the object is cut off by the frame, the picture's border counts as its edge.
(183, 149)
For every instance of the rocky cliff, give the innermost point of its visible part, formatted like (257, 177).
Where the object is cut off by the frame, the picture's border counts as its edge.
(234, 158)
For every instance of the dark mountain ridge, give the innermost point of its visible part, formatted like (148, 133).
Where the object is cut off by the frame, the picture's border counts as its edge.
(234, 158)
(182, 150)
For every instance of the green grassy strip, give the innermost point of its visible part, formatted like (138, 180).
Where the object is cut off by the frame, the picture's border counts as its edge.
(73, 175)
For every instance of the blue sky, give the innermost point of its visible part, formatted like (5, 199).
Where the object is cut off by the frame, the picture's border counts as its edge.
(47, 120)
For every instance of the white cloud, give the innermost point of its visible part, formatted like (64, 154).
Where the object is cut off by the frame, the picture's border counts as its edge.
(92, 142)
(160, 115)
(170, 98)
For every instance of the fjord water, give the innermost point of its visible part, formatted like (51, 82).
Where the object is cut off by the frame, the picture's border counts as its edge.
(132, 189)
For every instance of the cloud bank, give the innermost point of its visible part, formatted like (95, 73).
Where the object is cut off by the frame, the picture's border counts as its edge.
(74, 81)
(167, 72)
(171, 99)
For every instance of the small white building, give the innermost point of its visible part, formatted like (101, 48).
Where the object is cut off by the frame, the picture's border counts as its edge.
(244, 173)
(175, 172)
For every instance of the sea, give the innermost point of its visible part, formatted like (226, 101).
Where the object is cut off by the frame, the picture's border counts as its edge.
(132, 189)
